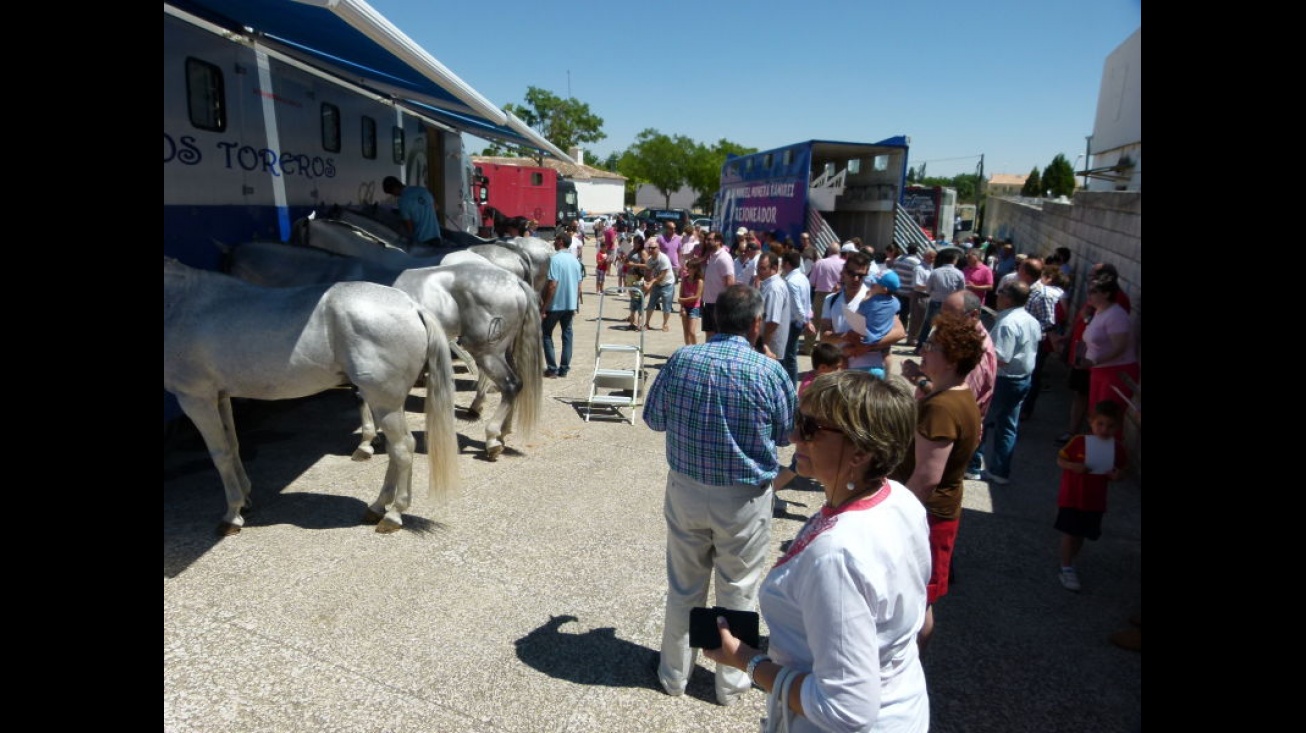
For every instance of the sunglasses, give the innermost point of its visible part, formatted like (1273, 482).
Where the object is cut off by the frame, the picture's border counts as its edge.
(808, 427)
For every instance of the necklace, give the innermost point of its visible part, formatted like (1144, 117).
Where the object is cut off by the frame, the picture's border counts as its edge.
(855, 496)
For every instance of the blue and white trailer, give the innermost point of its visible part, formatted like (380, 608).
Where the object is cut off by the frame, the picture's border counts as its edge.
(832, 190)
(276, 108)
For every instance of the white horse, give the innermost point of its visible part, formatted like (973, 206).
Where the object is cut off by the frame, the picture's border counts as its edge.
(224, 338)
(494, 315)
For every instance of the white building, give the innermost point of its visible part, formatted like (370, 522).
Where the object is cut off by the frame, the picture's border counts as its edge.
(649, 196)
(1115, 150)
(597, 191)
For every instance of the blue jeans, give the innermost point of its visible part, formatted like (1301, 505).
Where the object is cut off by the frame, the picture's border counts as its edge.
(790, 359)
(551, 319)
(1004, 416)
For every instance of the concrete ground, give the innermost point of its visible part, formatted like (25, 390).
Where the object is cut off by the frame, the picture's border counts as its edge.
(533, 600)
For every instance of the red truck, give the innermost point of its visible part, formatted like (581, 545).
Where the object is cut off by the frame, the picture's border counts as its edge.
(523, 190)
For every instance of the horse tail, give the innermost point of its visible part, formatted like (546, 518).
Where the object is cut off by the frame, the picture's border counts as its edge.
(528, 358)
(441, 436)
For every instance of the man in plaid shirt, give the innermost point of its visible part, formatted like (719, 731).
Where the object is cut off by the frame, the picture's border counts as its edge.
(725, 408)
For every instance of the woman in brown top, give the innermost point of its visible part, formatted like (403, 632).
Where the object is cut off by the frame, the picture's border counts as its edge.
(947, 433)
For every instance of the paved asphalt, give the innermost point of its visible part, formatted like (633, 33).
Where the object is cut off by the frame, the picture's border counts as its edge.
(533, 601)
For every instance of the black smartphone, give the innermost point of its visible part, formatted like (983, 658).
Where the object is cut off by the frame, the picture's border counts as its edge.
(703, 634)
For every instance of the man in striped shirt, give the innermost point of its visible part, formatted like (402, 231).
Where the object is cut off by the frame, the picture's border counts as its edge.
(725, 409)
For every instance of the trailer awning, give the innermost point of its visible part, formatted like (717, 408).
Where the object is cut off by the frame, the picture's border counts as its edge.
(350, 40)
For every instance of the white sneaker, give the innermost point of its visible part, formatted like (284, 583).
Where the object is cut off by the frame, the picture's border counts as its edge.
(1069, 579)
(973, 476)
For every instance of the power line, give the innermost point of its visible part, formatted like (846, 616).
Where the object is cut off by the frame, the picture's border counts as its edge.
(944, 160)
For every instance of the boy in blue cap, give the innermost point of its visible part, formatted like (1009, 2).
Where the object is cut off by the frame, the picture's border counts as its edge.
(871, 314)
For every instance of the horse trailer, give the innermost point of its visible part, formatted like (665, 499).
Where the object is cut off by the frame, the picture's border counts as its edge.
(275, 109)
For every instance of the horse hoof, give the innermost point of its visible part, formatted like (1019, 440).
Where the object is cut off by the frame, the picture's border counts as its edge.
(493, 452)
(362, 454)
(227, 529)
(386, 527)
(371, 517)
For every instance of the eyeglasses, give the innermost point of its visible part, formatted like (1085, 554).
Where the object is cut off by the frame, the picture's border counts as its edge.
(929, 346)
(858, 275)
(808, 427)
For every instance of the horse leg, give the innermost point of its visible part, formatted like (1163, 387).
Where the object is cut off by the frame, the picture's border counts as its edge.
(397, 490)
(496, 367)
(365, 449)
(482, 390)
(212, 417)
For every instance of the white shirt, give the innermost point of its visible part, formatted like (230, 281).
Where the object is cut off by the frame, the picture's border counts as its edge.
(775, 309)
(847, 606)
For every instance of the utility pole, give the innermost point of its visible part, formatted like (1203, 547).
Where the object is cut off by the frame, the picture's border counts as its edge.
(1088, 145)
(979, 191)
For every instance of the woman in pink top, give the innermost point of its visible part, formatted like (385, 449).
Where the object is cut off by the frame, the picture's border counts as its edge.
(1109, 346)
(691, 294)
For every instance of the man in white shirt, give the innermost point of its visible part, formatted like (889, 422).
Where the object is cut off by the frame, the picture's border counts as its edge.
(834, 326)
(1016, 336)
(746, 264)
(659, 283)
(800, 309)
(775, 304)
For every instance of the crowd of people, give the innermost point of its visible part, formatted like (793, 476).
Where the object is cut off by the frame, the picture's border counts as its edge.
(850, 604)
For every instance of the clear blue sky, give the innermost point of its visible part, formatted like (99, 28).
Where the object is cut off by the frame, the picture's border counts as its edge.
(1014, 80)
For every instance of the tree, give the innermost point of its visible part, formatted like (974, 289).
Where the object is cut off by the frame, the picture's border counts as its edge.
(1033, 184)
(564, 122)
(967, 185)
(1059, 177)
(911, 175)
(659, 160)
(704, 169)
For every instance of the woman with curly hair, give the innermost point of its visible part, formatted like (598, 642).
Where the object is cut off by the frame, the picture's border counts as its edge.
(947, 434)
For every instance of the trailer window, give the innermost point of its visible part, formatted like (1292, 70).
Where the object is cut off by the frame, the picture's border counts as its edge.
(788, 157)
(854, 166)
(369, 138)
(330, 127)
(397, 144)
(537, 179)
(881, 163)
(206, 95)
(766, 162)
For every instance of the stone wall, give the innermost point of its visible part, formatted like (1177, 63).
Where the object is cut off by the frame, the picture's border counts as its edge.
(1097, 226)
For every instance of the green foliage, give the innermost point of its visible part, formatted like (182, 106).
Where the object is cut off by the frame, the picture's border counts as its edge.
(704, 169)
(967, 185)
(566, 123)
(1059, 177)
(1033, 184)
(658, 159)
(911, 176)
